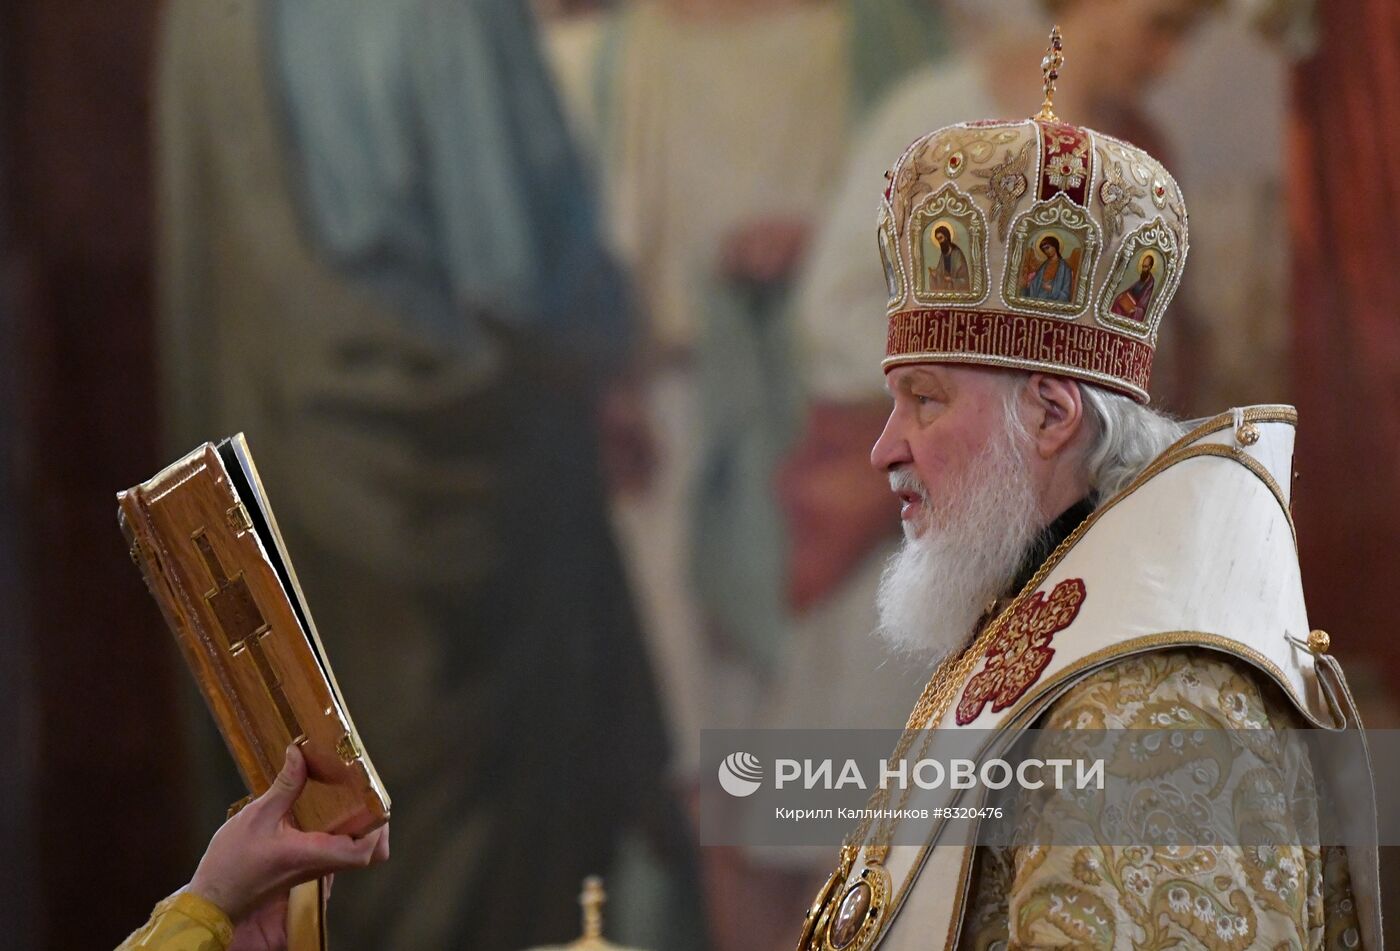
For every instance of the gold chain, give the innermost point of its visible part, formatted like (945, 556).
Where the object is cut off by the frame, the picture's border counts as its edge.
(933, 702)
(928, 699)
(928, 713)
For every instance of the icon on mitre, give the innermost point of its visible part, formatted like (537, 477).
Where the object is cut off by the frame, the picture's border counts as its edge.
(591, 900)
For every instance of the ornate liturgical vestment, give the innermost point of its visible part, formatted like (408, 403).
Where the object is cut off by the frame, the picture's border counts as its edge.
(1180, 597)
(1177, 605)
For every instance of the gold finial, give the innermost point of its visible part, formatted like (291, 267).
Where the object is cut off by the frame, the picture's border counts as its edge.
(1319, 642)
(591, 899)
(1050, 66)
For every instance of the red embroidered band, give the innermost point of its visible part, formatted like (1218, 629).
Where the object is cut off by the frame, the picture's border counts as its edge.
(1066, 163)
(1101, 355)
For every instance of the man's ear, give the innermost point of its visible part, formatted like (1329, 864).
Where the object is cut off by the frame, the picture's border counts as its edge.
(1057, 413)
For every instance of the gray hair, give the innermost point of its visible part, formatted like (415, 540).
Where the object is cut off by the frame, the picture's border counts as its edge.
(1125, 435)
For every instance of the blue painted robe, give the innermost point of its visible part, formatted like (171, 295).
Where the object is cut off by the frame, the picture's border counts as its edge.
(1059, 285)
(378, 259)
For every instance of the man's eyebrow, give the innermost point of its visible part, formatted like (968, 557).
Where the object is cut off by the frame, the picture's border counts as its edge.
(909, 380)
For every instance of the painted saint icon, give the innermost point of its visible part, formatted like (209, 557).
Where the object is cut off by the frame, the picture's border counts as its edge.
(1050, 276)
(1144, 275)
(1053, 249)
(949, 248)
(949, 270)
(1133, 302)
(887, 258)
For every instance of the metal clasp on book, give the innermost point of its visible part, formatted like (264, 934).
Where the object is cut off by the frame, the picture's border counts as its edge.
(238, 518)
(347, 749)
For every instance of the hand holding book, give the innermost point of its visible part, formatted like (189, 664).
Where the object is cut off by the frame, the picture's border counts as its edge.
(259, 853)
(204, 536)
(206, 541)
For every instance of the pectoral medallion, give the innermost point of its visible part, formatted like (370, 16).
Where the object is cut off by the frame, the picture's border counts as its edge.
(855, 919)
(849, 918)
(818, 916)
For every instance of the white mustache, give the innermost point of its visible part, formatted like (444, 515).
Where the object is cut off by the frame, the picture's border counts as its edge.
(904, 479)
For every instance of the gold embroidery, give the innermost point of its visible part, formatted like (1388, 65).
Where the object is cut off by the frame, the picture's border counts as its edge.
(1006, 183)
(1116, 194)
(1020, 651)
(1151, 898)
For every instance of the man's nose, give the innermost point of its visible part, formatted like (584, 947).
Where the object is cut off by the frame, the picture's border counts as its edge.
(891, 449)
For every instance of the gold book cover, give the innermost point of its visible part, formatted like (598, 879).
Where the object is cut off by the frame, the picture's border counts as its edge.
(204, 536)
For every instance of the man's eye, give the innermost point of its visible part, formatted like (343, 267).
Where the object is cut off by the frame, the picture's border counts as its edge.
(923, 400)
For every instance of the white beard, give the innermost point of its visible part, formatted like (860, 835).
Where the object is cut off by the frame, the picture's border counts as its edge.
(940, 581)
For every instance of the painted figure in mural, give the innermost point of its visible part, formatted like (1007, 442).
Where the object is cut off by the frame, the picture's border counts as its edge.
(702, 538)
(378, 259)
(950, 273)
(669, 92)
(1053, 280)
(1133, 302)
(887, 258)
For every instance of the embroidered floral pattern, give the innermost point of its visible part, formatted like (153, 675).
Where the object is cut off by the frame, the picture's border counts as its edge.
(1178, 210)
(1006, 183)
(1117, 195)
(1021, 650)
(940, 157)
(1146, 897)
(1066, 171)
(1066, 161)
(1060, 139)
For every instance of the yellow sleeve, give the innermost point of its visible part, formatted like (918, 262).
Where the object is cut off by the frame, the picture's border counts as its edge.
(1109, 894)
(183, 922)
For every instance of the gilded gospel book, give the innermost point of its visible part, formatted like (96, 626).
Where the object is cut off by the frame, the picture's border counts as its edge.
(203, 534)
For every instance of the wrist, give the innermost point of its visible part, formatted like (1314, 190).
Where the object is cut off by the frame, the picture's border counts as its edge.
(201, 910)
(211, 893)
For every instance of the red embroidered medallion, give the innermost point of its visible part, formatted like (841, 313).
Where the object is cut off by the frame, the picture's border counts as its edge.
(1066, 163)
(1021, 650)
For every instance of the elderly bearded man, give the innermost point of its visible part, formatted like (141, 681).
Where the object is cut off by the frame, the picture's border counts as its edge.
(1072, 559)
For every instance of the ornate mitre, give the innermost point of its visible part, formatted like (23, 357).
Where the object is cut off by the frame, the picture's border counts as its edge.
(1031, 243)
